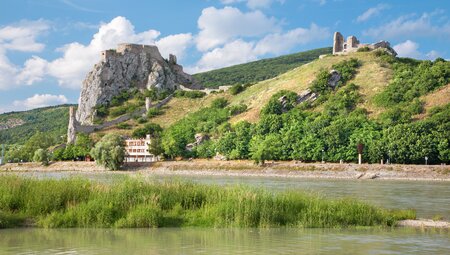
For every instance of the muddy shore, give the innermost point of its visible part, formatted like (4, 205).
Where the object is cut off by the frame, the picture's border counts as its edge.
(248, 168)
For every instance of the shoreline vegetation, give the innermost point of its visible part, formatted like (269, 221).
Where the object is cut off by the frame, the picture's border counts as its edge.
(132, 203)
(287, 169)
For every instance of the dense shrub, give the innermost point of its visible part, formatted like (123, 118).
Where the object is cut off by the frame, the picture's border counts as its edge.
(109, 151)
(275, 106)
(189, 94)
(148, 129)
(219, 103)
(236, 89)
(154, 111)
(41, 156)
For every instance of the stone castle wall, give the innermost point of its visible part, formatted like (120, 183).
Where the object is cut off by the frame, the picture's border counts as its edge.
(352, 44)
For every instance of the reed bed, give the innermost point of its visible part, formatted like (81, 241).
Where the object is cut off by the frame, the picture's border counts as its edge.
(137, 203)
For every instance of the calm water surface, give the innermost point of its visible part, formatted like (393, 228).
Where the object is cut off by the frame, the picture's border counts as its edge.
(223, 241)
(428, 198)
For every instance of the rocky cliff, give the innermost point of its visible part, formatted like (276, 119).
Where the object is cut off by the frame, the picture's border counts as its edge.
(130, 65)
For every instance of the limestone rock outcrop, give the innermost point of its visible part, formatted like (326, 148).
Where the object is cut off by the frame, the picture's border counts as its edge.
(128, 66)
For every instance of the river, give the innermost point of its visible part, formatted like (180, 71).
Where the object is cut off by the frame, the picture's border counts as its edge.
(429, 198)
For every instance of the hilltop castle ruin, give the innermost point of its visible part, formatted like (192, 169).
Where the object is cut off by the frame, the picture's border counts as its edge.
(352, 44)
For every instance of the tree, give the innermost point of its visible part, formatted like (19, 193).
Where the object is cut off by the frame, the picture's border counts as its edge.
(109, 151)
(41, 155)
(155, 147)
(83, 145)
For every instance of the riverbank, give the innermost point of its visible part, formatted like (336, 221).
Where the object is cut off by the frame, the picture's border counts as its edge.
(248, 168)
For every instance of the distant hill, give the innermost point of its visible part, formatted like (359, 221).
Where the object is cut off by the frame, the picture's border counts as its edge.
(18, 127)
(258, 70)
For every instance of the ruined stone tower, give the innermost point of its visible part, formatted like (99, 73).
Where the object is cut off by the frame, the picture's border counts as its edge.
(72, 130)
(338, 43)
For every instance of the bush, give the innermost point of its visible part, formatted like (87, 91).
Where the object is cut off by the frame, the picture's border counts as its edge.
(237, 109)
(148, 129)
(117, 111)
(364, 49)
(109, 151)
(236, 89)
(274, 106)
(41, 155)
(153, 112)
(123, 126)
(219, 103)
(189, 94)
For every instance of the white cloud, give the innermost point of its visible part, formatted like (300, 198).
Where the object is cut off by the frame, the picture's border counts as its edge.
(232, 53)
(19, 37)
(282, 42)
(33, 71)
(22, 36)
(409, 26)
(410, 49)
(220, 26)
(407, 49)
(253, 4)
(39, 100)
(175, 44)
(432, 55)
(240, 51)
(78, 59)
(371, 12)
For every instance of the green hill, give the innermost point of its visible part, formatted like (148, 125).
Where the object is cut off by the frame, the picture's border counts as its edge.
(399, 108)
(258, 70)
(52, 120)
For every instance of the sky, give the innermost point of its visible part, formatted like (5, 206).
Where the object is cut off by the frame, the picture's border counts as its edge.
(48, 46)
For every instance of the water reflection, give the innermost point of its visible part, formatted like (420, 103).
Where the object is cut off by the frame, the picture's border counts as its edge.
(223, 241)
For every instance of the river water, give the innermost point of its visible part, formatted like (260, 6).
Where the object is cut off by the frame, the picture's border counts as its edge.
(427, 197)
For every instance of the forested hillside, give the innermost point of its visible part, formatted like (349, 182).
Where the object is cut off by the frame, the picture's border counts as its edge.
(51, 120)
(258, 70)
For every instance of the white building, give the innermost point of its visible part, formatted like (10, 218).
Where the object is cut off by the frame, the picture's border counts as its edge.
(136, 150)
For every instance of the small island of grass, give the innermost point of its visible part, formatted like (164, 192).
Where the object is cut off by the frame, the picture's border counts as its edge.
(138, 203)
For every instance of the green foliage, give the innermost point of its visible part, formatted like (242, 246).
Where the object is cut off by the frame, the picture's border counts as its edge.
(136, 203)
(41, 156)
(219, 103)
(413, 79)
(51, 120)
(79, 150)
(109, 151)
(155, 146)
(206, 120)
(26, 152)
(364, 49)
(347, 69)
(148, 129)
(275, 105)
(236, 89)
(189, 94)
(258, 70)
(154, 111)
(237, 109)
(123, 125)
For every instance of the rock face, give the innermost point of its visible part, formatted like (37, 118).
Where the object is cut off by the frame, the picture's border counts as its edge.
(335, 77)
(128, 66)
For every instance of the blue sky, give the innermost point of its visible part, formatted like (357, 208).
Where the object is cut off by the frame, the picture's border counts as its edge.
(48, 46)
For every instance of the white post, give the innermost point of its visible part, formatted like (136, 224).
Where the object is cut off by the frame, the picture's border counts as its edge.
(359, 158)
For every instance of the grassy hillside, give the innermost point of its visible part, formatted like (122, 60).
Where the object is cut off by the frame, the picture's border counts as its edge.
(398, 108)
(258, 70)
(52, 120)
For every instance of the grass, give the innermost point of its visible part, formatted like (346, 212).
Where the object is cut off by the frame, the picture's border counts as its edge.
(136, 203)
